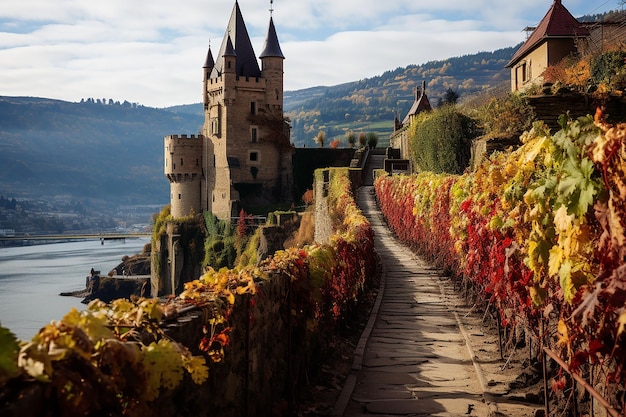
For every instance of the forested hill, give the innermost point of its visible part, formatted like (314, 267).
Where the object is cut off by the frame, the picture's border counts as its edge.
(114, 151)
(371, 104)
(87, 150)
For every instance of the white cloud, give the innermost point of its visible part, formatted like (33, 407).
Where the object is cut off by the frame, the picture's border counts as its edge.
(152, 52)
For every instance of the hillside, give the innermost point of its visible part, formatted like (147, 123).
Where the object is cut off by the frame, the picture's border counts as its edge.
(100, 151)
(371, 104)
(112, 151)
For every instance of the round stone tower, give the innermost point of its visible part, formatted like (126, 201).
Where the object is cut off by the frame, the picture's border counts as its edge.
(183, 168)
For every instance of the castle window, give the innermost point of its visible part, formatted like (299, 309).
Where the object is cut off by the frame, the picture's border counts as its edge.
(180, 196)
(254, 156)
(253, 107)
(254, 134)
(197, 162)
(181, 162)
(215, 126)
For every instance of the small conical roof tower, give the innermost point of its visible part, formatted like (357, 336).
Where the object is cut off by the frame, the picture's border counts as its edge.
(237, 43)
(209, 62)
(272, 47)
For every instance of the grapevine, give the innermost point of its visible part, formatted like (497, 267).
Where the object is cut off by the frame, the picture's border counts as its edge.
(116, 358)
(540, 230)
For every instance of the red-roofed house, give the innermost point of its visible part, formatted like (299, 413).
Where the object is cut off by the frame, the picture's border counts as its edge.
(555, 38)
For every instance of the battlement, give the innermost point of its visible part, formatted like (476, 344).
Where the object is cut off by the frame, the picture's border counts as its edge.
(177, 137)
(251, 81)
(183, 157)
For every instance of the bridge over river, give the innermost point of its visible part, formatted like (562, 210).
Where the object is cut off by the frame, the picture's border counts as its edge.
(77, 236)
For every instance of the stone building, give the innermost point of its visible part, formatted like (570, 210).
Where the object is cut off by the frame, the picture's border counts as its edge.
(399, 139)
(559, 35)
(243, 155)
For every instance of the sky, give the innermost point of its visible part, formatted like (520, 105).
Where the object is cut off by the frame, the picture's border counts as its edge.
(151, 52)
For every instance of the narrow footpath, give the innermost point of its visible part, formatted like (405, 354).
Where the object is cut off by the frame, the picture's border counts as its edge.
(415, 357)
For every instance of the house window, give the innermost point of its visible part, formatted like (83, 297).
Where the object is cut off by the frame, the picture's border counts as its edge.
(254, 156)
(254, 134)
(253, 107)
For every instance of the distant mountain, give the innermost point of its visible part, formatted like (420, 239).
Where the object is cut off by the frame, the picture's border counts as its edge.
(371, 104)
(89, 149)
(114, 151)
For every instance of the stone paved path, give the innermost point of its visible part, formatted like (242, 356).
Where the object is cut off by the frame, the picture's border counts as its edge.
(416, 360)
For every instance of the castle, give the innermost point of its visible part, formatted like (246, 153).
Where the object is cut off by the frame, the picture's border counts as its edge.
(243, 155)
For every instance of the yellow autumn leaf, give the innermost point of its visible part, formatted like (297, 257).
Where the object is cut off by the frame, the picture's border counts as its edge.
(621, 320)
(565, 280)
(537, 295)
(196, 367)
(562, 220)
(230, 297)
(563, 334)
(556, 257)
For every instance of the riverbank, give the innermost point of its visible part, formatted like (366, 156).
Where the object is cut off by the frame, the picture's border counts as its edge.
(32, 277)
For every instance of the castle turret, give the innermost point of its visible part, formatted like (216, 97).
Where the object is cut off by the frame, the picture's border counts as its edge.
(272, 67)
(183, 169)
(207, 68)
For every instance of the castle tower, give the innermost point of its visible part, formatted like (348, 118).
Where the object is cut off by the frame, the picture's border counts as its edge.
(183, 169)
(242, 105)
(244, 151)
(272, 67)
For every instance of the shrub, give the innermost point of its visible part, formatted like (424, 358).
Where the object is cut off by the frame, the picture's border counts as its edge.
(508, 116)
(440, 142)
(606, 66)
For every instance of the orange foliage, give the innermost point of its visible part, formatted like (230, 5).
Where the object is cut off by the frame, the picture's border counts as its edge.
(308, 197)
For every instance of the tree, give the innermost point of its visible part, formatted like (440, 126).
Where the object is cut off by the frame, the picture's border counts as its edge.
(351, 137)
(449, 97)
(320, 138)
(372, 140)
(362, 139)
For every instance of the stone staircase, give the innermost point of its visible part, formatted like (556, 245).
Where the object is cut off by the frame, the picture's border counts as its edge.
(375, 160)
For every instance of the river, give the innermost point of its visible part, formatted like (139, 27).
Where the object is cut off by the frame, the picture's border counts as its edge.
(31, 278)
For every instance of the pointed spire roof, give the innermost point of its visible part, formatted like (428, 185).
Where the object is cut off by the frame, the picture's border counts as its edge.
(557, 23)
(230, 49)
(272, 47)
(237, 43)
(209, 62)
(420, 104)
